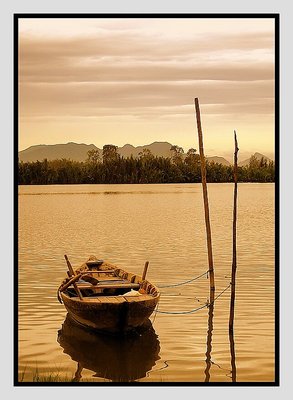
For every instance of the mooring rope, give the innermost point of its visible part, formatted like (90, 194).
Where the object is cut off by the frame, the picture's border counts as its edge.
(223, 291)
(195, 309)
(156, 309)
(185, 282)
(182, 312)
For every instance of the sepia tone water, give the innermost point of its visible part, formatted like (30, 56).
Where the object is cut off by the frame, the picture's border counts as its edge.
(163, 223)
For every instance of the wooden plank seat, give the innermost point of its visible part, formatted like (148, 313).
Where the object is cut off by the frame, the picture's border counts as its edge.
(116, 299)
(109, 285)
(104, 271)
(109, 280)
(94, 262)
(105, 279)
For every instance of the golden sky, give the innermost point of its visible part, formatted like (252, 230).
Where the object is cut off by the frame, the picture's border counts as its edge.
(118, 81)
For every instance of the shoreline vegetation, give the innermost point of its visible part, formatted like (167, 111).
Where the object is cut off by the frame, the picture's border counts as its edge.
(111, 168)
(52, 376)
(57, 377)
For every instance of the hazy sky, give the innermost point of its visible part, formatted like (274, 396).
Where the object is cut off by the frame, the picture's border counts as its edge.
(121, 81)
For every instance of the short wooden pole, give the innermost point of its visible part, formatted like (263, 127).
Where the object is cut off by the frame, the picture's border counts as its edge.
(206, 202)
(234, 258)
(145, 270)
(69, 266)
(72, 273)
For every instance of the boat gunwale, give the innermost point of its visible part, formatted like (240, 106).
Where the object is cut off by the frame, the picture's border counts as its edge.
(151, 291)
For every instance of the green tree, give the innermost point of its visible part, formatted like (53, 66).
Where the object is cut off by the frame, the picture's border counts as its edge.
(93, 156)
(192, 158)
(145, 155)
(177, 154)
(110, 153)
(145, 169)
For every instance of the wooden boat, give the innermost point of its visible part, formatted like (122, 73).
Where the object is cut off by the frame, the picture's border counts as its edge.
(104, 297)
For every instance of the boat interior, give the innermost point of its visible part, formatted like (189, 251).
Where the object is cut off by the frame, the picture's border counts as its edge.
(97, 278)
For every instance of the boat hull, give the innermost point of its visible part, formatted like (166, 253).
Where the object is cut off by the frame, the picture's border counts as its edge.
(110, 315)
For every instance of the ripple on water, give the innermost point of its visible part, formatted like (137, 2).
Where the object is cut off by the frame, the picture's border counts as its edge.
(165, 225)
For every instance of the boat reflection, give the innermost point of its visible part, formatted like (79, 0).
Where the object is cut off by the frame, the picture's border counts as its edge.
(119, 359)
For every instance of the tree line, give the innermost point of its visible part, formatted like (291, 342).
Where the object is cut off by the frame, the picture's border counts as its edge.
(110, 167)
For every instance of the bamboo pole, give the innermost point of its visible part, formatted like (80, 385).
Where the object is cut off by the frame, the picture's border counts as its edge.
(72, 273)
(69, 266)
(145, 270)
(234, 259)
(206, 202)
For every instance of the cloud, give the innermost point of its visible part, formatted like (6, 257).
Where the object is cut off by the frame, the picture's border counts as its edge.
(125, 56)
(94, 99)
(134, 44)
(112, 74)
(117, 71)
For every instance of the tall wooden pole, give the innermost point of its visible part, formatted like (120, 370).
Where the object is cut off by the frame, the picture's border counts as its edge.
(234, 259)
(206, 202)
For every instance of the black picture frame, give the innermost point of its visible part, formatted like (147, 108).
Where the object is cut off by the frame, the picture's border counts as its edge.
(276, 18)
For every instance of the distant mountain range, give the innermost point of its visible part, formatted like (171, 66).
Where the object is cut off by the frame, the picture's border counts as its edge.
(258, 156)
(73, 151)
(78, 152)
(219, 160)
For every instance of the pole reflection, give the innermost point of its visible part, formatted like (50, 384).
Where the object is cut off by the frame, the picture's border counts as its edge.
(209, 342)
(208, 353)
(233, 358)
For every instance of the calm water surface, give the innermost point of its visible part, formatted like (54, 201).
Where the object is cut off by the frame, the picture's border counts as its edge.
(127, 225)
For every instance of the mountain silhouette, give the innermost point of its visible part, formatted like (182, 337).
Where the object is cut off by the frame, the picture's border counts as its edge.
(258, 156)
(78, 152)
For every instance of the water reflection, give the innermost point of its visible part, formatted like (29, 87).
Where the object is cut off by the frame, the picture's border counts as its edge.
(209, 343)
(209, 362)
(233, 358)
(43, 243)
(120, 359)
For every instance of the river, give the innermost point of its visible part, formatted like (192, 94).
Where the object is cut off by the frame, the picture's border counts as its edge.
(164, 224)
